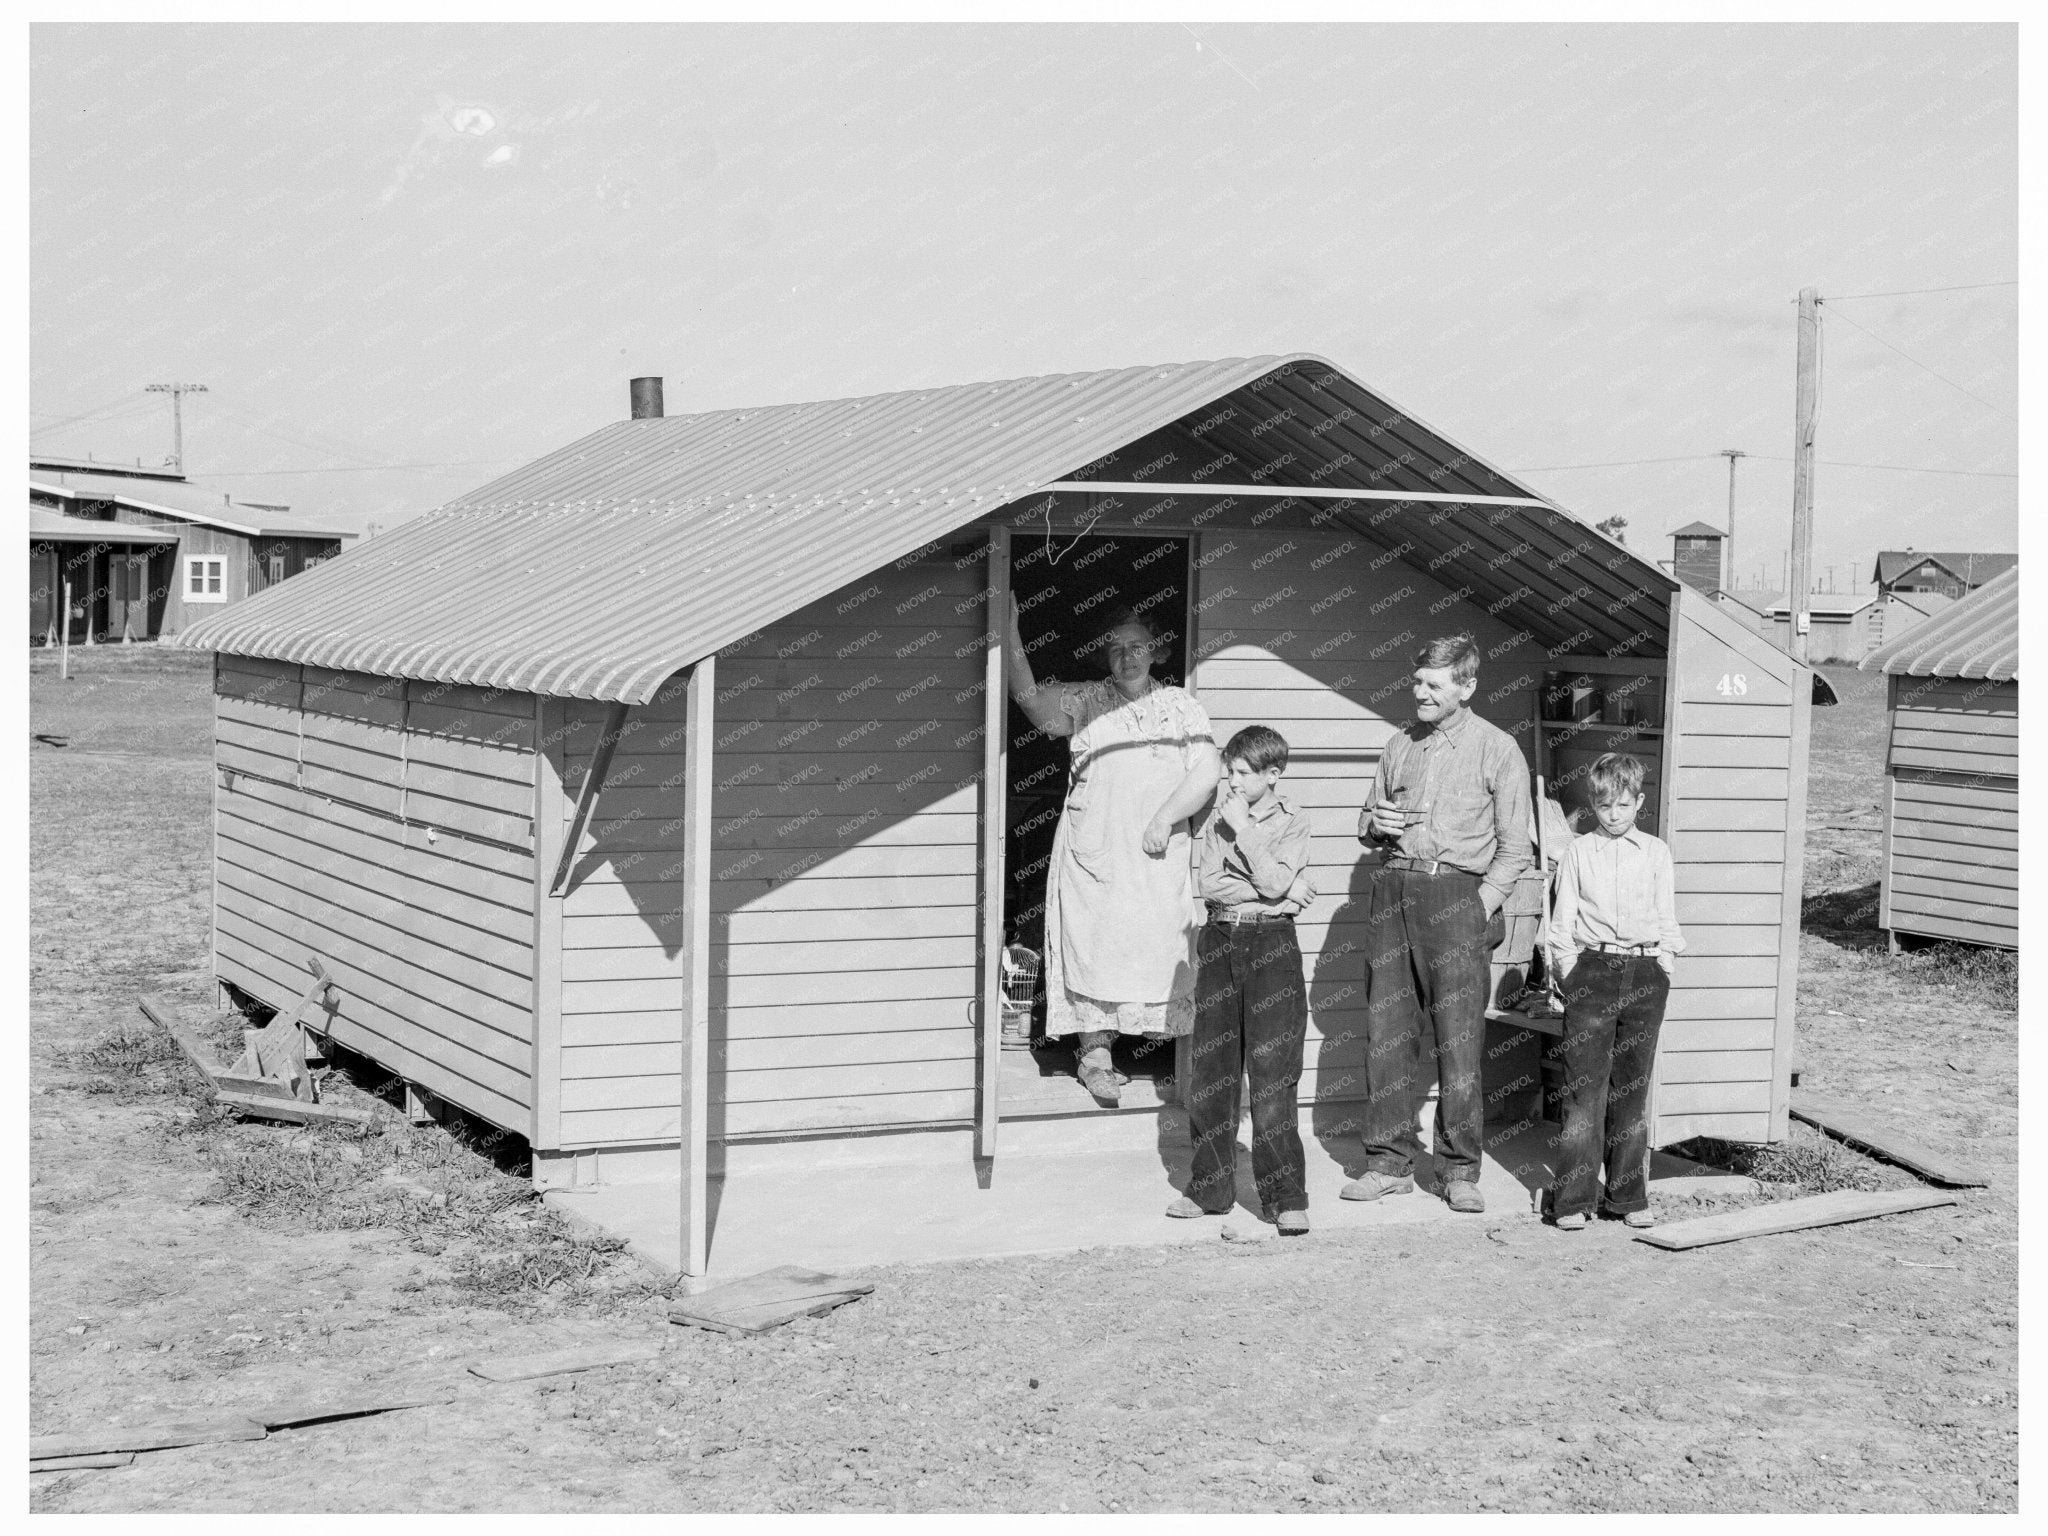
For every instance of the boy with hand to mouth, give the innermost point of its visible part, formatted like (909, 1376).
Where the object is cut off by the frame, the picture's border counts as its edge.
(1251, 1012)
(1613, 931)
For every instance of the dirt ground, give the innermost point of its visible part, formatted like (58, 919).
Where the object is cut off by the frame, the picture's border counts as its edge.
(184, 1266)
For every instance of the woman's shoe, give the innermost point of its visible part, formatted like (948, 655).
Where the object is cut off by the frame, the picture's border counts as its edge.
(1102, 1082)
(1185, 1209)
(1576, 1222)
(1640, 1219)
(1291, 1223)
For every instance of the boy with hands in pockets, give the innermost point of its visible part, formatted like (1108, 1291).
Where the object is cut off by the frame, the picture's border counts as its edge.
(1613, 932)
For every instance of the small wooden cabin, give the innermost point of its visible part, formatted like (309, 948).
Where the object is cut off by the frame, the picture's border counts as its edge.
(168, 551)
(664, 795)
(1952, 772)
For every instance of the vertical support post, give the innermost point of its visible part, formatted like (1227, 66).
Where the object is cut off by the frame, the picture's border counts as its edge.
(995, 819)
(1807, 411)
(550, 811)
(64, 656)
(94, 582)
(1786, 1036)
(1184, 1045)
(694, 1228)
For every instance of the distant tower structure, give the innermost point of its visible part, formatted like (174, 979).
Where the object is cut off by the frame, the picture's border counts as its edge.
(1696, 556)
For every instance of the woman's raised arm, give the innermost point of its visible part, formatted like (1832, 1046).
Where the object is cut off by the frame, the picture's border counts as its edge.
(1042, 705)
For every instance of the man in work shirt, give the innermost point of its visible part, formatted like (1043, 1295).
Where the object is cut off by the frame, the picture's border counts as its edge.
(1449, 815)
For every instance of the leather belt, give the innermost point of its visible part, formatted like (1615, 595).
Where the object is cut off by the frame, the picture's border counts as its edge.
(1624, 949)
(1232, 917)
(1423, 866)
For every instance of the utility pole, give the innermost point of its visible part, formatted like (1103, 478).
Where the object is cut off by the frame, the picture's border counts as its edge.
(1806, 410)
(1731, 455)
(177, 392)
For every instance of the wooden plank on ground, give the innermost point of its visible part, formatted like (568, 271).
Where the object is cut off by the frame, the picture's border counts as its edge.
(766, 1300)
(1792, 1216)
(142, 1437)
(292, 1415)
(562, 1362)
(1858, 1130)
(298, 1111)
(80, 1463)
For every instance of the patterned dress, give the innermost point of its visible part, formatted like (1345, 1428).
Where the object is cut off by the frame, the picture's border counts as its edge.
(1120, 924)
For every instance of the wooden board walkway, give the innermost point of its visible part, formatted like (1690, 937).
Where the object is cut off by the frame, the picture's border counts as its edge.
(1856, 1129)
(1792, 1216)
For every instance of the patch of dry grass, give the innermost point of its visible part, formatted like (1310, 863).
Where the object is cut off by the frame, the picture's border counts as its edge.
(1805, 1163)
(438, 1189)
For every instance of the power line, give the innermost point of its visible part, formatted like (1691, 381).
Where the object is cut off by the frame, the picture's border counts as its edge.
(1951, 383)
(133, 395)
(1551, 469)
(1904, 469)
(1899, 293)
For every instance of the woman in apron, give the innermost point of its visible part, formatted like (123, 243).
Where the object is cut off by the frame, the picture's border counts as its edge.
(1120, 920)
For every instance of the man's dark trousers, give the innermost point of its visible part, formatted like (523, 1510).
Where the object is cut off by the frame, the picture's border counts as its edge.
(1428, 973)
(1613, 1010)
(1251, 1017)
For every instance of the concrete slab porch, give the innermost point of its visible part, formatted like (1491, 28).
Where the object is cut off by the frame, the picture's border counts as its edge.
(1057, 1184)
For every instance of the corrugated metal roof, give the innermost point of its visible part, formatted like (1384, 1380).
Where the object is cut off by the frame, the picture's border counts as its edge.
(185, 501)
(55, 527)
(1966, 565)
(600, 570)
(1979, 636)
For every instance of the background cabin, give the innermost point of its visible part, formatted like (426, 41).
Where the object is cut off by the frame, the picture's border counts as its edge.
(167, 551)
(1952, 785)
(1841, 625)
(699, 816)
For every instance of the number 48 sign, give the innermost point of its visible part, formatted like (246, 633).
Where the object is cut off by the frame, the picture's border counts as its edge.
(1732, 684)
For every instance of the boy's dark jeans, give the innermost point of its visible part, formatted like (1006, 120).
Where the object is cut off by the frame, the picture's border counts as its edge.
(1251, 1017)
(1429, 948)
(1613, 1009)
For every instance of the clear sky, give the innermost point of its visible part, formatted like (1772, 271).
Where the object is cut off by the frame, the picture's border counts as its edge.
(450, 246)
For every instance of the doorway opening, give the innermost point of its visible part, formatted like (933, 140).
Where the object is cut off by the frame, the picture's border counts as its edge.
(1068, 588)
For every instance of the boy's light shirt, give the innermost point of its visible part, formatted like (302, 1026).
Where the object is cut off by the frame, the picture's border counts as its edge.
(1614, 890)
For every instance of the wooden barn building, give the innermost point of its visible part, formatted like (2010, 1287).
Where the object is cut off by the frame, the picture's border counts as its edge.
(1952, 772)
(694, 812)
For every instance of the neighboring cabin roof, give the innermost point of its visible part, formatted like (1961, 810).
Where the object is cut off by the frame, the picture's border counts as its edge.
(1977, 567)
(1825, 605)
(605, 567)
(1927, 604)
(47, 526)
(184, 501)
(1757, 602)
(1697, 531)
(1978, 636)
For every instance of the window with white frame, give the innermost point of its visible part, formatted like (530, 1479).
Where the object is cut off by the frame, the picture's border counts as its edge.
(206, 579)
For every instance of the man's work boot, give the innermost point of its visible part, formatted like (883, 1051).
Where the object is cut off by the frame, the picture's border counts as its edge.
(1372, 1185)
(1463, 1195)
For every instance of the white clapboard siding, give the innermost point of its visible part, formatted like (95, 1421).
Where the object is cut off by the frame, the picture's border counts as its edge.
(844, 836)
(1322, 652)
(1730, 751)
(419, 906)
(1952, 811)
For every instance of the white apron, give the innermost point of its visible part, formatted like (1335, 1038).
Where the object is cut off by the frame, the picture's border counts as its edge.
(1120, 925)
